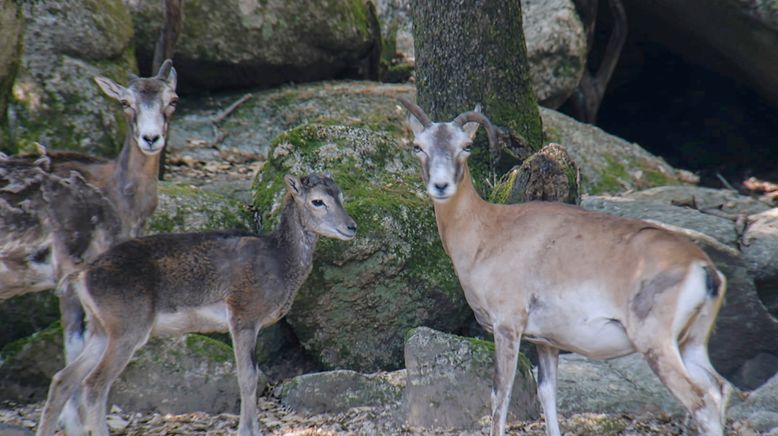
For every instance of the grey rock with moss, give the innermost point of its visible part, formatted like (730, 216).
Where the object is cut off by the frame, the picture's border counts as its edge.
(556, 48)
(26, 314)
(27, 365)
(760, 252)
(10, 51)
(55, 100)
(608, 163)
(232, 43)
(340, 390)
(184, 208)
(449, 382)
(178, 375)
(363, 295)
(623, 385)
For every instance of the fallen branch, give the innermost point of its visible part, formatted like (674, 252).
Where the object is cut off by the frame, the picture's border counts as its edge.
(230, 109)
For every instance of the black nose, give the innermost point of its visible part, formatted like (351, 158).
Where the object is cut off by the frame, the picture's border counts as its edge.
(150, 139)
(353, 227)
(441, 186)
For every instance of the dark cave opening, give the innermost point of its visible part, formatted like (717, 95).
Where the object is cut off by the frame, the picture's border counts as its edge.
(694, 117)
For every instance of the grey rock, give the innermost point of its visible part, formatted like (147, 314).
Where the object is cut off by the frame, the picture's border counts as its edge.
(26, 314)
(363, 294)
(184, 208)
(623, 385)
(12, 430)
(235, 43)
(450, 381)
(607, 163)
(725, 200)
(56, 102)
(337, 391)
(646, 208)
(556, 48)
(27, 365)
(178, 375)
(760, 407)
(397, 22)
(760, 252)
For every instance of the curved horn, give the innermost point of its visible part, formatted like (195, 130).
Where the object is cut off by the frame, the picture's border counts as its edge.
(416, 111)
(480, 118)
(164, 69)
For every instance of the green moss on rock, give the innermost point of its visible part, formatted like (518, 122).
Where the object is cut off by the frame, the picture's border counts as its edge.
(363, 294)
(184, 208)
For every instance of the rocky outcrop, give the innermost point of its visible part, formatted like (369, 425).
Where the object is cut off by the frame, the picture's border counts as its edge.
(759, 408)
(12, 24)
(744, 345)
(184, 208)
(556, 48)
(55, 100)
(760, 252)
(337, 391)
(232, 43)
(450, 382)
(178, 375)
(623, 385)
(363, 295)
(608, 163)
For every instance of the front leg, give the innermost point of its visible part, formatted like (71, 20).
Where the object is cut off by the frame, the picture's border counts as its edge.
(548, 361)
(506, 343)
(244, 341)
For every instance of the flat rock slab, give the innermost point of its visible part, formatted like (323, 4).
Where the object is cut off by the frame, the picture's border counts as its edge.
(623, 385)
(450, 382)
(340, 390)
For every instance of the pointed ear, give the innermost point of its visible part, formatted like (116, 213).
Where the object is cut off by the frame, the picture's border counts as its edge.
(168, 73)
(111, 88)
(293, 184)
(470, 129)
(172, 78)
(416, 126)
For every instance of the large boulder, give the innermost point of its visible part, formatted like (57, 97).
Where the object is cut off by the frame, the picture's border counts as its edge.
(623, 385)
(760, 252)
(178, 375)
(55, 100)
(363, 295)
(449, 382)
(12, 24)
(171, 375)
(185, 208)
(337, 391)
(608, 163)
(759, 408)
(26, 314)
(237, 43)
(556, 48)
(744, 345)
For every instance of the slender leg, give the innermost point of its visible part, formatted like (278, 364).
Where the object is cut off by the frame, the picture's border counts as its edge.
(118, 353)
(66, 381)
(548, 361)
(698, 398)
(73, 327)
(244, 341)
(506, 343)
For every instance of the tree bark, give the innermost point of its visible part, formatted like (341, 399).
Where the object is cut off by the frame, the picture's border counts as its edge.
(470, 53)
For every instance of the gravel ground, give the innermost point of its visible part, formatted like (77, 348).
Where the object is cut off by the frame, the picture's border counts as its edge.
(275, 419)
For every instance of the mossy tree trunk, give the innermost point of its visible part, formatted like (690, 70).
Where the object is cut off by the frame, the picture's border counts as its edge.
(474, 52)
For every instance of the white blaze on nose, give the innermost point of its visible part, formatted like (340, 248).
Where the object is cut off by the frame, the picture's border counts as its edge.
(151, 127)
(441, 184)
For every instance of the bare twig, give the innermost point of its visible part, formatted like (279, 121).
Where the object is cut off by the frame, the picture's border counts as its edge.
(217, 119)
(724, 182)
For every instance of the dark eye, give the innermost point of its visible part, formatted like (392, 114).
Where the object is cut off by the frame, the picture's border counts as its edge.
(174, 102)
(416, 149)
(317, 203)
(467, 148)
(125, 104)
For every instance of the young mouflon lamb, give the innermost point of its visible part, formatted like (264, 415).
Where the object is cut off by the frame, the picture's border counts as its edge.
(171, 284)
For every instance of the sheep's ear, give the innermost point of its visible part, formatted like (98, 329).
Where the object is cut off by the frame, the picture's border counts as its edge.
(293, 184)
(416, 126)
(111, 88)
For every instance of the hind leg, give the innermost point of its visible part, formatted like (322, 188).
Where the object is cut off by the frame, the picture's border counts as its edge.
(67, 381)
(73, 326)
(96, 386)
